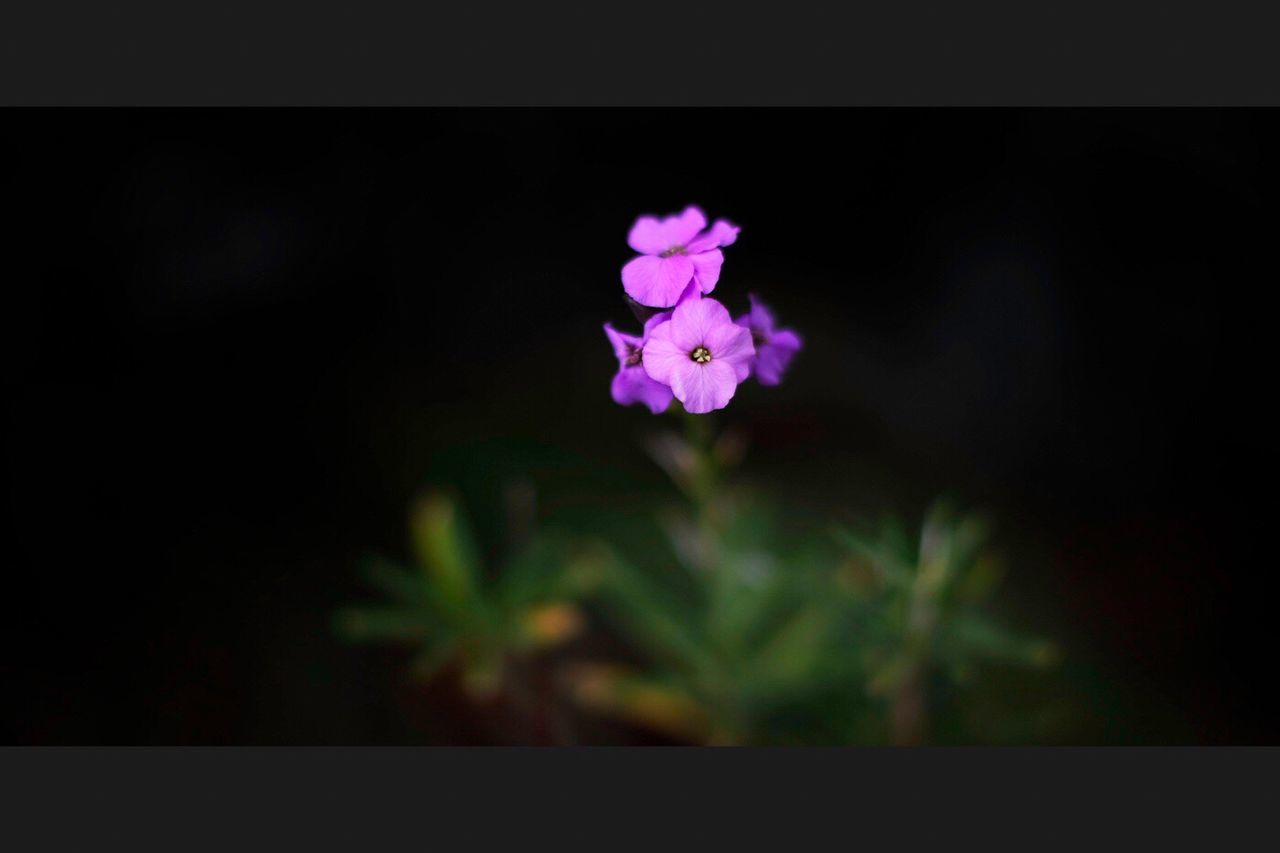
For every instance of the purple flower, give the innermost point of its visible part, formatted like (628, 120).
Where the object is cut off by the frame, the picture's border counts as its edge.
(774, 347)
(701, 353)
(631, 384)
(676, 255)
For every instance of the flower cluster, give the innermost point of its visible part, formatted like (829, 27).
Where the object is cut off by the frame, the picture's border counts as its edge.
(691, 348)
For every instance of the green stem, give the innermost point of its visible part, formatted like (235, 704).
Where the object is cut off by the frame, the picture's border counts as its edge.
(700, 434)
(909, 707)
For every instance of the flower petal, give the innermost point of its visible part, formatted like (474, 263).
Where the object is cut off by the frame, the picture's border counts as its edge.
(692, 320)
(662, 357)
(787, 340)
(657, 282)
(690, 292)
(622, 342)
(722, 233)
(773, 357)
(731, 344)
(655, 321)
(761, 317)
(704, 387)
(632, 385)
(706, 269)
(653, 236)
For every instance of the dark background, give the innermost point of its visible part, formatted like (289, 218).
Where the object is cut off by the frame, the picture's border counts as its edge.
(236, 343)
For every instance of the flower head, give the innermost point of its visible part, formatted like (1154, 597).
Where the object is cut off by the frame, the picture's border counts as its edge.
(678, 255)
(774, 347)
(631, 384)
(700, 353)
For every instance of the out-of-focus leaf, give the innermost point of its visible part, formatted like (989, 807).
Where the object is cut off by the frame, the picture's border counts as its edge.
(881, 558)
(445, 548)
(897, 543)
(657, 622)
(743, 590)
(891, 674)
(696, 550)
(862, 545)
(970, 535)
(750, 522)
(793, 650)
(976, 637)
(536, 573)
(585, 570)
(935, 564)
(645, 701)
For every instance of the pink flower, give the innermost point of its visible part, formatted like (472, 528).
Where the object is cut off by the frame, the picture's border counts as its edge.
(701, 353)
(774, 347)
(631, 384)
(677, 255)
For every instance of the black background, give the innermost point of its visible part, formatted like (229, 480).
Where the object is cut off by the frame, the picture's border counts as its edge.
(236, 342)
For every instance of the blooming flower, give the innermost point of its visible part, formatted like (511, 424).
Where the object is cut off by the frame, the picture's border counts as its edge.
(774, 347)
(631, 384)
(701, 353)
(677, 257)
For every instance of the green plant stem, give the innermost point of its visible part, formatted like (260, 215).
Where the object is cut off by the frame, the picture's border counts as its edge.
(909, 704)
(705, 474)
(907, 712)
(704, 485)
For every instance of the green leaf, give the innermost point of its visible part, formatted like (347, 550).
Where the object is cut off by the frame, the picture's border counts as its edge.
(657, 622)
(535, 574)
(738, 601)
(445, 549)
(882, 555)
(975, 637)
(795, 648)
(897, 545)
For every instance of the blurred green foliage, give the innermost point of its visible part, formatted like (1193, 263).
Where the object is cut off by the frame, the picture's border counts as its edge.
(452, 612)
(738, 626)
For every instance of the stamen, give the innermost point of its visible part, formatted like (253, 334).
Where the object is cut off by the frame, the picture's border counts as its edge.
(674, 250)
(633, 358)
(701, 355)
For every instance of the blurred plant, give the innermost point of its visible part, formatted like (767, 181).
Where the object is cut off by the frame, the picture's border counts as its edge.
(734, 633)
(751, 638)
(453, 613)
(919, 602)
(746, 632)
